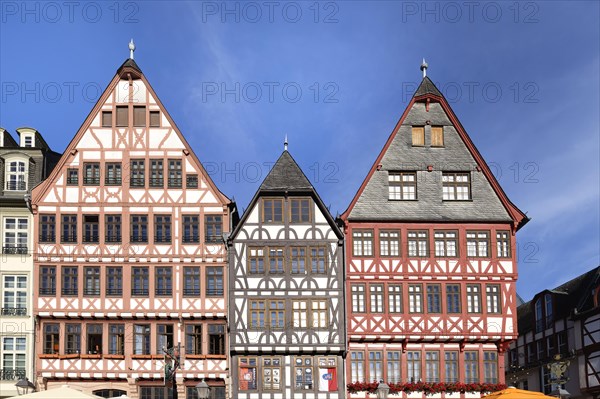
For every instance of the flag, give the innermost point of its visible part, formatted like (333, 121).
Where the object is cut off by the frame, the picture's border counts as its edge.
(328, 379)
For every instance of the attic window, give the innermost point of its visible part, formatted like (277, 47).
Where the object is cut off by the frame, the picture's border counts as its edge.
(154, 119)
(418, 136)
(28, 141)
(106, 118)
(139, 116)
(122, 116)
(437, 136)
(402, 186)
(272, 210)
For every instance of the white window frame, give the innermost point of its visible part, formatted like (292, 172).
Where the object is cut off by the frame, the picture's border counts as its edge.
(17, 305)
(16, 180)
(14, 351)
(15, 240)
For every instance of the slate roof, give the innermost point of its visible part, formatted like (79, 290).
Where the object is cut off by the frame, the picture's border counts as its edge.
(129, 63)
(286, 175)
(427, 87)
(574, 294)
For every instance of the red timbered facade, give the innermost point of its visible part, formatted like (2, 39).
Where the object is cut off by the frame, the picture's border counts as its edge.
(430, 257)
(130, 256)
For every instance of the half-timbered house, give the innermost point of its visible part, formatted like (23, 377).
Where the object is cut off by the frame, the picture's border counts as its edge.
(430, 257)
(286, 293)
(131, 259)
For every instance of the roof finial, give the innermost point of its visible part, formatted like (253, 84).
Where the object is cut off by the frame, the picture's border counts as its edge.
(424, 68)
(131, 49)
(285, 143)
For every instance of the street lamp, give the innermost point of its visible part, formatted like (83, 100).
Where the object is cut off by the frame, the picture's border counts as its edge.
(203, 390)
(24, 385)
(383, 390)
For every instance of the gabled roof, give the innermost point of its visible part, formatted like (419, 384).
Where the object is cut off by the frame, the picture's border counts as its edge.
(286, 177)
(428, 93)
(129, 67)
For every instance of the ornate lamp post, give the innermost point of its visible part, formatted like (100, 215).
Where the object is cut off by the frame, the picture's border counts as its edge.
(24, 385)
(203, 390)
(383, 390)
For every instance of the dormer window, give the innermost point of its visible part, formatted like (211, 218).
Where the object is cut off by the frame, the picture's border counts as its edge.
(16, 176)
(27, 141)
(544, 315)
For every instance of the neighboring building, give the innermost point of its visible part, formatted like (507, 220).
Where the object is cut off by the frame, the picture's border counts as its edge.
(131, 256)
(563, 321)
(22, 166)
(430, 257)
(286, 295)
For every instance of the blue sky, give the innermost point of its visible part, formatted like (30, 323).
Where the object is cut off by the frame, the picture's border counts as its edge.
(523, 78)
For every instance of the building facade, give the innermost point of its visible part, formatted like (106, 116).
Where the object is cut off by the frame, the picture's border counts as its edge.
(560, 325)
(23, 164)
(287, 328)
(430, 259)
(131, 258)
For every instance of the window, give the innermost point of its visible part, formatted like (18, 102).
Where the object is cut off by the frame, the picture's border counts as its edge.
(541, 351)
(362, 243)
(319, 313)
(276, 260)
(256, 260)
(548, 308)
(402, 186)
(446, 243)
(298, 259)
(247, 374)
(164, 332)
(193, 339)
(357, 366)
(13, 357)
(563, 345)
(122, 116)
(154, 118)
(418, 243)
(539, 317)
(69, 228)
(415, 298)
(395, 298)
(139, 116)
(358, 298)
(162, 229)
(28, 141)
(191, 281)
(191, 181)
(155, 392)
(73, 338)
(478, 243)
(316, 318)
(376, 298)
(91, 285)
(109, 393)
(550, 346)
(139, 228)
(47, 280)
(471, 367)
(51, 339)
(91, 174)
(191, 229)
(106, 118)
(531, 355)
(272, 210)
(116, 339)
(490, 367)
(156, 173)
(214, 225)
(493, 298)
(140, 281)
(94, 339)
(451, 366)
(299, 314)
(473, 298)
(389, 243)
(113, 174)
(271, 371)
(14, 300)
(394, 374)
(214, 281)
(175, 179)
(47, 228)
(72, 177)
(114, 281)
(456, 186)
(437, 136)
(375, 366)
(327, 373)
(91, 228)
(141, 339)
(434, 300)
(300, 210)
(15, 236)
(112, 225)
(503, 244)
(276, 314)
(16, 176)
(70, 276)
(216, 339)
(453, 298)
(137, 173)
(432, 366)
(413, 366)
(303, 373)
(164, 281)
(418, 136)
(318, 260)
(257, 314)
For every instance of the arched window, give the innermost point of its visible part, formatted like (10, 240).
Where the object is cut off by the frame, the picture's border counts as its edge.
(109, 393)
(16, 176)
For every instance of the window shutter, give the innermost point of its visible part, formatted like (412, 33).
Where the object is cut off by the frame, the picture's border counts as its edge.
(418, 135)
(437, 136)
